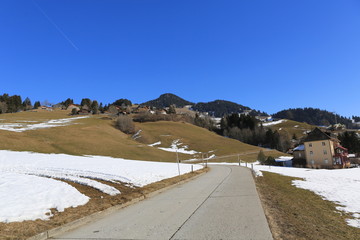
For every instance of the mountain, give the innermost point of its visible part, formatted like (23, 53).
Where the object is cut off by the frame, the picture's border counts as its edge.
(167, 99)
(313, 116)
(219, 108)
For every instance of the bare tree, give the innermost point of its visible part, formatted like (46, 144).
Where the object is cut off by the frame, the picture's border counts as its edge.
(125, 124)
(3, 107)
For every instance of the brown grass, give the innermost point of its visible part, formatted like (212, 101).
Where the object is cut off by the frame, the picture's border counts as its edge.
(197, 138)
(295, 213)
(289, 127)
(99, 201)
(97, 135)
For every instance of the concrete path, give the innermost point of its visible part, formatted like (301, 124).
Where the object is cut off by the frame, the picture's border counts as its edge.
(221, 204)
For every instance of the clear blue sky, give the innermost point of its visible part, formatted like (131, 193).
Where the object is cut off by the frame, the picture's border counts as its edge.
(268, 55)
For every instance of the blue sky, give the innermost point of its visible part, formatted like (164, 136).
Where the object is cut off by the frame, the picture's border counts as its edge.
(268, 55)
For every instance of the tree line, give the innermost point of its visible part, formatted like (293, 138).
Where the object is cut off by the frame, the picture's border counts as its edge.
(14, 103)
(248, 129)
(313, 116)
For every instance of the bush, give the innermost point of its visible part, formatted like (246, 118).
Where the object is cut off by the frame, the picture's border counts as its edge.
(74, 111)
(125, 124)
(261, 157)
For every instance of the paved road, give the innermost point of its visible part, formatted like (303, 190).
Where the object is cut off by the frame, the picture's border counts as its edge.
(222, 204)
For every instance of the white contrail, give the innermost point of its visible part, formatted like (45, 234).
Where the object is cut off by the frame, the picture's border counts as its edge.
(56, 26)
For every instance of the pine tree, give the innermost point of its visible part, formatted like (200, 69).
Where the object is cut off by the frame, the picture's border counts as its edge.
(86, 102)
(37, 104)
(95, 107)
(27, 104)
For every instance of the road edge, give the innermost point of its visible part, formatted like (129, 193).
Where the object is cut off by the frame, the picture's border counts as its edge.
(92, 217)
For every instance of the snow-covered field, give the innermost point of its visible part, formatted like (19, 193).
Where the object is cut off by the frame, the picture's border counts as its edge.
(21, 125)
(28, 190)
(341, 186)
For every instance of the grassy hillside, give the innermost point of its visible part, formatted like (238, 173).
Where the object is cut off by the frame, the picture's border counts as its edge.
(198, 139)
(96, 135)
(292, 127)
(91, 136)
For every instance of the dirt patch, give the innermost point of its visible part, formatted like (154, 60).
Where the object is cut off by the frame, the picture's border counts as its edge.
(99, 201)
(295, 213)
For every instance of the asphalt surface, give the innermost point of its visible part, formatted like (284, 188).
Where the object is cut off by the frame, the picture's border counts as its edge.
(221, 204)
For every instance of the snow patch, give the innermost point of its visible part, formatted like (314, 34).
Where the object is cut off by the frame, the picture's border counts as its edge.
(274, 122)
(23, 126)
(341, 186)
(154, 144)
(175, 148)
(28, 190)
(26, 197)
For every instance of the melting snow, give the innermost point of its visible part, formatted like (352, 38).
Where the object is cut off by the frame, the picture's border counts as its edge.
(175, 148)
(341, 186)
(28, 192)
(154, 144)
(273, 122)
(22, 126)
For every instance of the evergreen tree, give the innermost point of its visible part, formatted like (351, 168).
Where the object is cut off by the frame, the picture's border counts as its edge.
(86, 102)
(14, 104)
(67, 102)
(95, 107)
(101, 108)
(122, 103)
(37, 104)
(351, 141)
(27, 104)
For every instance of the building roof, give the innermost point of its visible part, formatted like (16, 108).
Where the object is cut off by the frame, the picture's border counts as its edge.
(341, 147)
(317, 135)
(300, 148)
(284, 158)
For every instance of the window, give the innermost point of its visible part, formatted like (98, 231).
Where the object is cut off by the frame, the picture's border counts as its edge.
(323, 143)
(310, 144)
(312, 162)
(311, 152)
(325, 152)
(326, 161)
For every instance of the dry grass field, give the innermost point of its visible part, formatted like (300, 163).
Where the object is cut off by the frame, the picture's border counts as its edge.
(295, 213)
(97, 135)
(292, 127)
(199, 139)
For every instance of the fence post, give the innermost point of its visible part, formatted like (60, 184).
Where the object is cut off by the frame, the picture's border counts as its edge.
(239, 160)
(192, 168)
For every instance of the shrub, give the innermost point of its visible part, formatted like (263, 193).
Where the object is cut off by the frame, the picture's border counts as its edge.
(261, 157)
(74, 111)
(125, 124)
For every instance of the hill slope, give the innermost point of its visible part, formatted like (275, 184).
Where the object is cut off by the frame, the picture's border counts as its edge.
(167, 99)
(219, 108)
(96, 135)
(313, 116)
